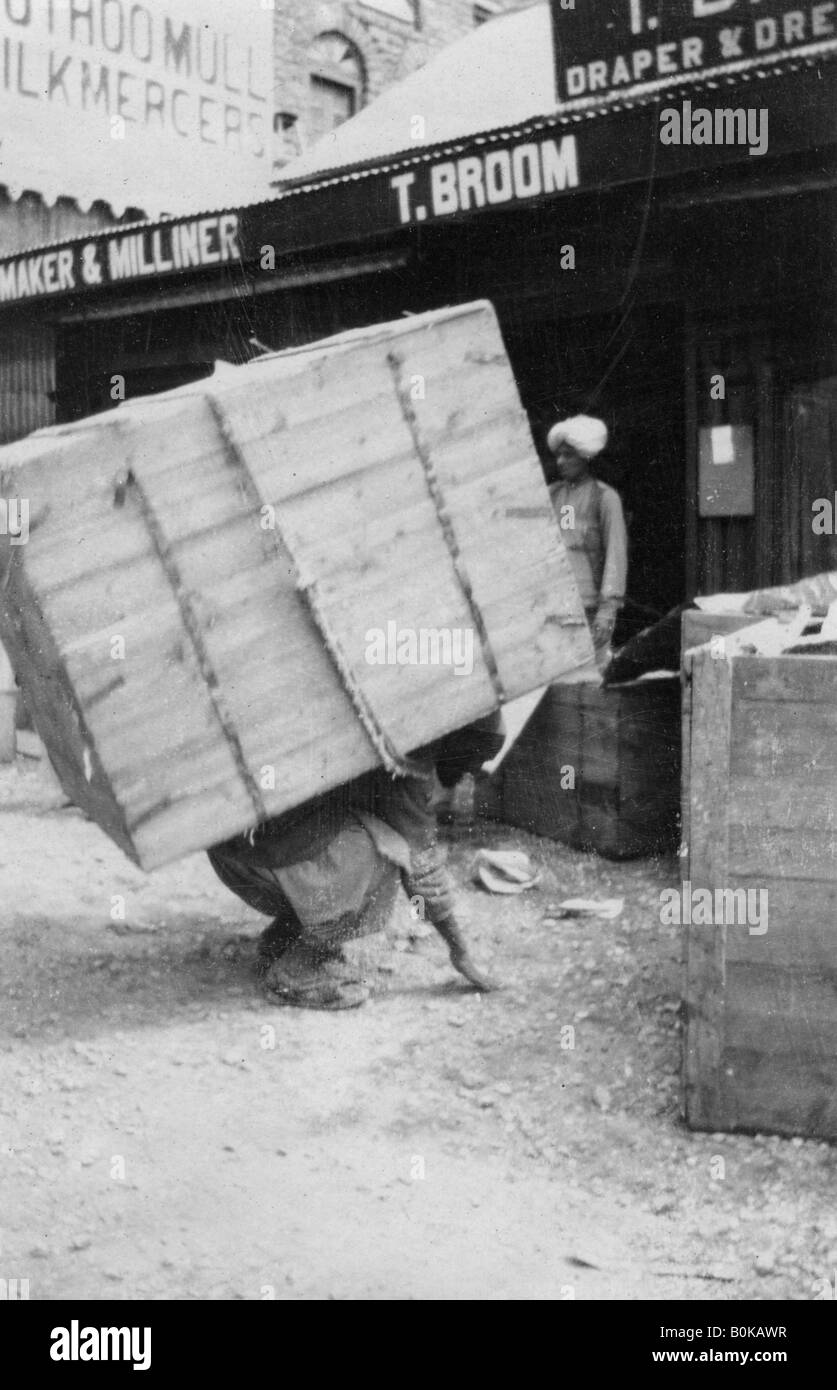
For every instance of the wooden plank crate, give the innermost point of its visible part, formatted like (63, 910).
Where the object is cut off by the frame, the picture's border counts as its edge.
(623, 746)
(191, 615)
(697, 628)
(761, 1007)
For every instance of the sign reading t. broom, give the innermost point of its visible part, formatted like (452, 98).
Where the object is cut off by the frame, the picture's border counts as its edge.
(157, 105)
(605, 46)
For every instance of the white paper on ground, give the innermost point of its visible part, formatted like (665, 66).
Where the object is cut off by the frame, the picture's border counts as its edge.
(605, 908)
(504, 871)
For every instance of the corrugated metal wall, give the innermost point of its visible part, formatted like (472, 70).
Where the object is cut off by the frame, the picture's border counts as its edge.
(29, 222)
(27, 378)
(27, 346)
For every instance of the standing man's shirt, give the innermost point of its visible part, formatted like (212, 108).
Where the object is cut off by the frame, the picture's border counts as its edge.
(592, 528)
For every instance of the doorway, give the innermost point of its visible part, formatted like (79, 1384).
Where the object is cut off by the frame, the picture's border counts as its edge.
(627, 370)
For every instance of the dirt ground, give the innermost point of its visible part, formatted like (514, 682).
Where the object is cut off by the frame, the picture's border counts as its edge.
(167, 1132)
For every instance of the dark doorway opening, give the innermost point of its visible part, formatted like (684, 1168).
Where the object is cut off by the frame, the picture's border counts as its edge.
(627, 370)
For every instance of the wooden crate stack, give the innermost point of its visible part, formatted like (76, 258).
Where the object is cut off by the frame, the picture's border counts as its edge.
(598, 768)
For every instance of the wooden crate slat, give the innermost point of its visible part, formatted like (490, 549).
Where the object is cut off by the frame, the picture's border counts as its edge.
(801, 918)
(780, 1010)
(788, 737)
(808, 680)
(709, 756)
(793, 803)
(786, 1093)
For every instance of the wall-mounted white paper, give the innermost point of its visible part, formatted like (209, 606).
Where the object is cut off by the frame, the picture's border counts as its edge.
(723, 445)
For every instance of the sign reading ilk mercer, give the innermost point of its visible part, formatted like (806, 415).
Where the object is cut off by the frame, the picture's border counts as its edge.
(610, 45)
(164, 105)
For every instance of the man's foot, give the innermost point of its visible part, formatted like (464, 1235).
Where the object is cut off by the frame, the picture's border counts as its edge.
(313, 978)
(274, 941)
(454, 938)
(461, 961)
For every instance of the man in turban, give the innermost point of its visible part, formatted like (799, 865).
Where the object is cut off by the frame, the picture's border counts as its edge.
(592, 525)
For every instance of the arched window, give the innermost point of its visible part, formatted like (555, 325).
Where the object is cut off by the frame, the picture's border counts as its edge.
(336, 84)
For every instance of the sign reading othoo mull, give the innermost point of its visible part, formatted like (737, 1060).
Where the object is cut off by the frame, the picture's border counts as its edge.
(164, 105)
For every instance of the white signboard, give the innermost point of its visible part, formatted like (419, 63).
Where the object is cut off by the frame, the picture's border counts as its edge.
(163, 105)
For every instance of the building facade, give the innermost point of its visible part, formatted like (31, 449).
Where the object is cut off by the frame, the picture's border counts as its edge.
(329, 60)
(332, 58)
(683, 292)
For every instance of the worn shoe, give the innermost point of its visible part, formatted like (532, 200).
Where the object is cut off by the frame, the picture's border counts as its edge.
(308, 978)
(274, 941)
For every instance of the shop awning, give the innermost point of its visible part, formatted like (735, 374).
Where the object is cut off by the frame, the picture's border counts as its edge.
(481, 124)
(476, 131)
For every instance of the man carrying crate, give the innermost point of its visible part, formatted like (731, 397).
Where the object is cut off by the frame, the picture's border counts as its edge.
(330, 871)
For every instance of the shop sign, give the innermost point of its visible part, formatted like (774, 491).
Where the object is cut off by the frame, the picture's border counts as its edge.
(161, 105)
(512, 174)
(605, 46)
(132, 255)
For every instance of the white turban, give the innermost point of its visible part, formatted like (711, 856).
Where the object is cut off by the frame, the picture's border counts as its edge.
(583, 433)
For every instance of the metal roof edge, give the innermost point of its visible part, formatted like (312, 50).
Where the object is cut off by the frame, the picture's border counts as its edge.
(127, 228)
(573, 112)
(568, 114)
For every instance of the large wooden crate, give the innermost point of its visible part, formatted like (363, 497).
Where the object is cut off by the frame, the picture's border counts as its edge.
(192, 617)
(597, 767)
(761, 1008)
(696, 629)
